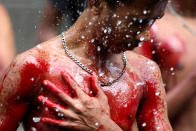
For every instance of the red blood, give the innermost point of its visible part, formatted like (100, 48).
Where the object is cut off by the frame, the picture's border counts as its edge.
(170, 51)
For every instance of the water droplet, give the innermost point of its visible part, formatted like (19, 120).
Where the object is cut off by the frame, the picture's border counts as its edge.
(114, 15)
(109, 30)
(33, 129)
(138, 32)
(130, 24)
(134, 18)
(1, 105)
(164, 84)
(96, 124)
(125, 105)
(145, 12)
(98, 48)
(36, 119)
(57, 110)
(83, 37)
(157, 93)
(90, 23)
(155, 112)
(151, 22)
(32, 79)
(153, 52)
(105, 31)
(153, 68)
(158, 127)
(119, 22)
(151, 40)
(101, 74)
(144, 124)
(173, 73)
(140, 21)
(129, 45)
(38, 46)
(44, 100)
(142, 38)
(126, 17)
(140, 44)
(60, 115)
(140, 84)
(172, 69)
(46, 108)
(92, 40)
(127, 36)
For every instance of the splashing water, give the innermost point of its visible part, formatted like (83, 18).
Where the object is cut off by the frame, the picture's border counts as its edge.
(144, 124)
(36, 119)
(96, 124)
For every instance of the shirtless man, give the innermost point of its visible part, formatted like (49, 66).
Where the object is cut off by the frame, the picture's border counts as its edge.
(176, 57)
(7, 49)
(182, 108)
(133, 87)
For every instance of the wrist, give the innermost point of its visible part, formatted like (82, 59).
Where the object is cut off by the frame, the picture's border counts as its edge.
(107, 124)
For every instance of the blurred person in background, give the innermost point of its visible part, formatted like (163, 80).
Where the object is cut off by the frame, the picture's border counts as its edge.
(59, 13)
(7, 47)
(173, 47)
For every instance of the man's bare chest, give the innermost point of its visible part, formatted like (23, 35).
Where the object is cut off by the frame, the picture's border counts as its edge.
(123, 96)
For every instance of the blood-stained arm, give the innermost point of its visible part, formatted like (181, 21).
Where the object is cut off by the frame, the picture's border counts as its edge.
(12, 109)
(152, 113)
(17, 89)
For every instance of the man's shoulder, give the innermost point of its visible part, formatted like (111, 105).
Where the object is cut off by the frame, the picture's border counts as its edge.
(144, 66)
(41, 51)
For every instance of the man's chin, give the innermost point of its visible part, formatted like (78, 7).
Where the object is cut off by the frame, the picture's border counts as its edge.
(120, 50)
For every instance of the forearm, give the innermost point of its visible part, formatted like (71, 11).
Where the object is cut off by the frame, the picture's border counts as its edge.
(179, 95)
(11, 116)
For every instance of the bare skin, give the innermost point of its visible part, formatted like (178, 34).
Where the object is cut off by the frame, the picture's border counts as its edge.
(181, 107)
(7, 48)
(138, 96)
(183, 110)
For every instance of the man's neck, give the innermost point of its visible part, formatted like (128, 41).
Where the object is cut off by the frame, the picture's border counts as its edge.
(84, 37)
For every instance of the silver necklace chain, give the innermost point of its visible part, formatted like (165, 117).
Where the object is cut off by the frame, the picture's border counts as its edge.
(103, 83)
(186, 26)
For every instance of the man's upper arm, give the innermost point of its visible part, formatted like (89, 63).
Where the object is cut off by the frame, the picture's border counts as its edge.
(152, 114)
(12, 107)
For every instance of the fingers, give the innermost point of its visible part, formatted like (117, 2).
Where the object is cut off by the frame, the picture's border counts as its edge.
(60, 93)
(73, 84)
(57, 108)
(96, 88)
(52, 121)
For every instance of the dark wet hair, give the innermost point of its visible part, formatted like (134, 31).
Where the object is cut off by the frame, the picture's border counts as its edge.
(115, 3)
